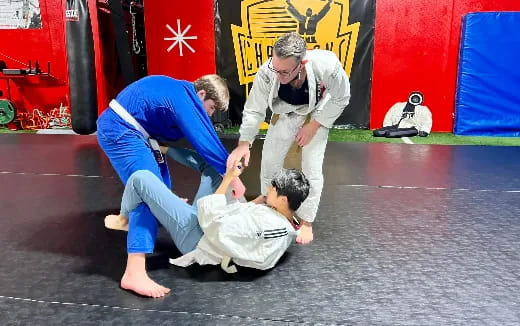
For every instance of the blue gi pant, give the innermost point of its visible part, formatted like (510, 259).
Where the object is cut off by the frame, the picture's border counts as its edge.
(178, 217)
(128, 151)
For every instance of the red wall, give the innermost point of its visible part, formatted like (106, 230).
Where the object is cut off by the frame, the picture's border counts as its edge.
(416, 48)
(45, 45)
(196, 19)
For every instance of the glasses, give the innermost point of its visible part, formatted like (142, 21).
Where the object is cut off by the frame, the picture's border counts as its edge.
(282, 73)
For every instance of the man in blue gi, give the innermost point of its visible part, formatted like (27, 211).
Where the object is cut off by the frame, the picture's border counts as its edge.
(160, 109)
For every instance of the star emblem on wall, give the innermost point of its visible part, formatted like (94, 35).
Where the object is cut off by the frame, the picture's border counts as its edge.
(179, 38)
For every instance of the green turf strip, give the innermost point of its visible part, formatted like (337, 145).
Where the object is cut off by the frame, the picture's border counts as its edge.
(365, 136)
(440, 138)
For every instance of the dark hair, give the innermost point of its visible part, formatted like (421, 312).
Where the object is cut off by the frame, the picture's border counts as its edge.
(293, 184)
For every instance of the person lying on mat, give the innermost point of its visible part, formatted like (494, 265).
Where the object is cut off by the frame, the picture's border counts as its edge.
(253, 234)
(157, 109)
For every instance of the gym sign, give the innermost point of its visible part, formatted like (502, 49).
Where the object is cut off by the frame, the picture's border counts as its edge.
(323, 24)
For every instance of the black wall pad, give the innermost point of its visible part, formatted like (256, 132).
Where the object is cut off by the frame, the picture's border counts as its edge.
(82, 74)
(121, 37)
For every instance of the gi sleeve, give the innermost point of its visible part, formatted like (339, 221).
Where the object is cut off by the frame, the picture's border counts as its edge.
(196, 126)
(336, 98)
(256, 106)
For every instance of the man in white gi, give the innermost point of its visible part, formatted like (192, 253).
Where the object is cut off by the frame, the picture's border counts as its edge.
(254, 234)
(297, 86)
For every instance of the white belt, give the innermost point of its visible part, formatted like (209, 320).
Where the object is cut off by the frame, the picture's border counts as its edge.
(224, 264)
(120, 110)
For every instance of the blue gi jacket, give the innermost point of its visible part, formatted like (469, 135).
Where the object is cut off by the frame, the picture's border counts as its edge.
(169, 109)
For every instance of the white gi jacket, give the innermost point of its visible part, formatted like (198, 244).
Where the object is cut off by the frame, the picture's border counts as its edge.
(252, 235)
(421, 119)
(324, 72)
(329, 94)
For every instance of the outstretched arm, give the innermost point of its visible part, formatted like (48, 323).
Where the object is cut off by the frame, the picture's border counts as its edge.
(197, 128)
(294, 11)
(212, 207)
(230, 175)
(324, 10)
(254, 112)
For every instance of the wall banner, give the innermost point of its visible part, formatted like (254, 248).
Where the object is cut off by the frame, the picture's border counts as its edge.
(246, 31)
(180, 38)
(20, 14)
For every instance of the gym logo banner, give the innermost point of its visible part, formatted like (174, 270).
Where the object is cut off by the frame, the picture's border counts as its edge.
(323, 24)
(246, 31)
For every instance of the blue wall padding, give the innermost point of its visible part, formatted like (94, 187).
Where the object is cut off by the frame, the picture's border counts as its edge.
(488, 85)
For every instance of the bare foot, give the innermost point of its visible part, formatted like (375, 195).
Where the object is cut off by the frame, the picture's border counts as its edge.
(305, 235)
(143, 285)
(116, 222)
(137, 280)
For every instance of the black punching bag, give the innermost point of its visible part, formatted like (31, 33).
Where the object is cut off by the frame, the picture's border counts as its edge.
(82, 74)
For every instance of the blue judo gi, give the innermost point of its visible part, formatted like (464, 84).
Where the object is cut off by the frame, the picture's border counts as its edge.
(168, 109)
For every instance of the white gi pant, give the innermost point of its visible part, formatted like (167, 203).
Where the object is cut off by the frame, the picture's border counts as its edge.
(278, 140)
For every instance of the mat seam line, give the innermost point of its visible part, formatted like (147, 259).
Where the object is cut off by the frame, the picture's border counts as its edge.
(149, 310)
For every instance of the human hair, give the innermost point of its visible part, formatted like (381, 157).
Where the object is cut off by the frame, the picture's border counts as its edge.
(216, 89)
(293, 184)
(290, 45)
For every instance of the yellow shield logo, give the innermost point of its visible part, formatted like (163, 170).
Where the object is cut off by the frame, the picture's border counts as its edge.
(323, 24)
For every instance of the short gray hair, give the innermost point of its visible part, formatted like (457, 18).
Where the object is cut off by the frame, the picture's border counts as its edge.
(290, 45)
